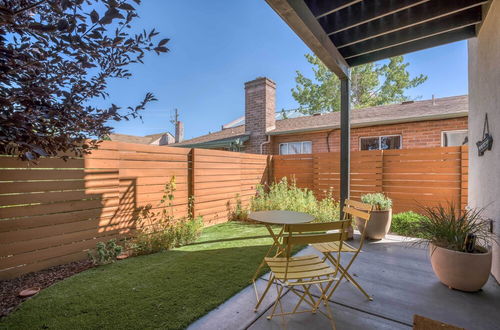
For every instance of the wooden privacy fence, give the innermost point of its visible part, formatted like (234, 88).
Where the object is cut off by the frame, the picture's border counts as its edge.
(52, 212)
(411, 177)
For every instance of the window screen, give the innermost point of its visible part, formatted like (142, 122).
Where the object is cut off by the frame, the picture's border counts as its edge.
(380, 142)
(295, 148)
(292, 148)
(307, 147)
(284, 149)
(371, 143)
(390, 142)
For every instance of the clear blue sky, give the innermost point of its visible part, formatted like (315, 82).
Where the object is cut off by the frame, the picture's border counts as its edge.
(218, 45)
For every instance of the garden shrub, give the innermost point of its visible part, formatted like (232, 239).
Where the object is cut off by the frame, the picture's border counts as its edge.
(378, 200)
(239, 212)
(105, 253)
(158, 231)
(284, 196)
(405, 223)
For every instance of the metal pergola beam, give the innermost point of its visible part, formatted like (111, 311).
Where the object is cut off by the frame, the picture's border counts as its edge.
(424, 43)
(435, 27)
(402, 20)
(300, 18)
(345, 140)
(364, 12)
(321, 8)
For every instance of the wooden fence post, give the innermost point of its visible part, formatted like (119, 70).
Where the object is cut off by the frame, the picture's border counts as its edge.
(315, 183)
(270, 172)
(190, 181)
(382, 163)
(464, 176)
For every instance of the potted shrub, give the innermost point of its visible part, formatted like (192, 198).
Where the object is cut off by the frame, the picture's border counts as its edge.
(380, 220)
(459, 245)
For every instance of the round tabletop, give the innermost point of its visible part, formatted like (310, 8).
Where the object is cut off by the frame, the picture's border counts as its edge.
(279, 217)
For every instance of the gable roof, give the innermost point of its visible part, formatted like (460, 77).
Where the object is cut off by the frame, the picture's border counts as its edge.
(129, 138)
(148, 139)
(158, 135)
(439, 108)
(220, 135)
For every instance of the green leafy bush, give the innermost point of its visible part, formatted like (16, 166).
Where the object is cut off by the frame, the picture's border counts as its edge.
(405, 223)
(284, 196)
(105, 253)
(158, 231)
(378, 200)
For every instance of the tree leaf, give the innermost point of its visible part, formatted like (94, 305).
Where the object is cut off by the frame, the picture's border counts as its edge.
(94, 16)
(163, 42)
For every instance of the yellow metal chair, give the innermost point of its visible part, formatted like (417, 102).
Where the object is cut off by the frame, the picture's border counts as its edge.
(299, 274)
(329, 249)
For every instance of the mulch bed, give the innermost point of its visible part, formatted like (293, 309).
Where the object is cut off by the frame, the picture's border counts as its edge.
(9, 289)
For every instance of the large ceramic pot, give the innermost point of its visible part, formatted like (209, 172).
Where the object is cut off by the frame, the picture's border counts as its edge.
(378, 225)
(460, 270)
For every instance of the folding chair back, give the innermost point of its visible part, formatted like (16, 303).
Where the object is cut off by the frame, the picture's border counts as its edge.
(311, 233)
(358, 209)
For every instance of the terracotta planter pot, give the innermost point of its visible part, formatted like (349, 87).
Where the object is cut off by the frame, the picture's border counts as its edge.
(378, 225)
(460, 270)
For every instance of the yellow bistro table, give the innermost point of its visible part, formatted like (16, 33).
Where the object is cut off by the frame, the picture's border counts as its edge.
(270, 219)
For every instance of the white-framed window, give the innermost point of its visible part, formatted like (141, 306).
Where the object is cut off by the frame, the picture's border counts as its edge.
(383, 142)
(292, 148)
(454, 138)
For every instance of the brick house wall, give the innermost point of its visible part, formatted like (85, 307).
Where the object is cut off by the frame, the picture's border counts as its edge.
(421, 134)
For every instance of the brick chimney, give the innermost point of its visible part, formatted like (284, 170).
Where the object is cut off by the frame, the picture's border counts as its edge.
(179, 131)
(260, 112)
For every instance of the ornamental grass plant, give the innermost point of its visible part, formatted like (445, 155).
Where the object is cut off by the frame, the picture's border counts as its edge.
(448, 227)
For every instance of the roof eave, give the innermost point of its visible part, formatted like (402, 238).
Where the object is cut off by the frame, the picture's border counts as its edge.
(213, 143)
(375, 123)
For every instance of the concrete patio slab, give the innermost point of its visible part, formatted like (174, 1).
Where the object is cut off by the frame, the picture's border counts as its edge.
(345, 318)
(400, 279)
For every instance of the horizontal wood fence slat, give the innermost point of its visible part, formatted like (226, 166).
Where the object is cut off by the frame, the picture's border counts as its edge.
(52, 212)
(411, 177)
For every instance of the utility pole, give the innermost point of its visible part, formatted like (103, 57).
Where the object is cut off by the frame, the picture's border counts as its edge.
(174, 118)
(178, 126)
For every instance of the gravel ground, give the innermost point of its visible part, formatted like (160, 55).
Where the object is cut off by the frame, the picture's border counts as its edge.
(9, 289)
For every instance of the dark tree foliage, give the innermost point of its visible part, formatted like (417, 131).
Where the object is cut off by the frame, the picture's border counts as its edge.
(55, 57)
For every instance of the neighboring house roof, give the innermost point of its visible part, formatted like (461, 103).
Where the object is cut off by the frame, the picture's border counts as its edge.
(238, 131)
(439, 108)
(157, 136)
(129, 138)
(148, 139)
(442, 108)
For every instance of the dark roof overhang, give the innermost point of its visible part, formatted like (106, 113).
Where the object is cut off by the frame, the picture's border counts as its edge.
(346, 33)
(233, 141)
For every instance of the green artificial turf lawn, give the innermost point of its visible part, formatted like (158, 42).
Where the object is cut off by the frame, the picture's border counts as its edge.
(167, 290)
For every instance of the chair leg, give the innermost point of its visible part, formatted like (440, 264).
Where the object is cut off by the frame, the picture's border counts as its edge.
(279, 290)
(259, 301)
(345, 273)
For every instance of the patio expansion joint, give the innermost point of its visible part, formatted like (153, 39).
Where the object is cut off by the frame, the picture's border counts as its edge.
(264, 311)
(385, 317)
